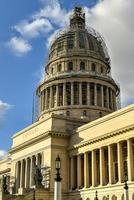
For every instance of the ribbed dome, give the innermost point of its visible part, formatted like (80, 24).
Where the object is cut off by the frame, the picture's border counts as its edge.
(79, 39)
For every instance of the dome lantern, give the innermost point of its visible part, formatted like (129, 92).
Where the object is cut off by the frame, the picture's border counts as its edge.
(77, 20)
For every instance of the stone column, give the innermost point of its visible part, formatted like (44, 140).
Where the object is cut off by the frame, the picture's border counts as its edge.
(102, 168)
(17, 173)
(80, 93)
(111, 96)
(26, 173)
(64, 94)
(72, 93)
(102, 96)
(78, 171)
(95, 94)
(107, 91)
(72, 173)
(130, 159)
(114, 100)
(40, 103)
(51, 99)
(46, 101)
(93, 168)
(88, 93)
(86, 170)
(120, 167)
(43, 100)
(31, 172)
(57, 95)
(110, 163)
(21, 174)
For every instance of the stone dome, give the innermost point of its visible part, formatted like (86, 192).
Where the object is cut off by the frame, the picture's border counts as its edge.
(78, 82)
(79, 40)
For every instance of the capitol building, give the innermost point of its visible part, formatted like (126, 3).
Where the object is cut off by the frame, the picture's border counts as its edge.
(79, 119)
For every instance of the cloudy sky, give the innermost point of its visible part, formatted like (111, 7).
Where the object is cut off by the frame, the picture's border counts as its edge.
(26, 30)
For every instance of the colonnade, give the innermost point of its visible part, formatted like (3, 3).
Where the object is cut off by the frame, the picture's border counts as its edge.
(25, 171)
(106, 165)
(77, 93)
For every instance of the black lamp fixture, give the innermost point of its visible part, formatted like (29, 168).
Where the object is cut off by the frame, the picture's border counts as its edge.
(125, 181)
(33, 194)
(96, 195)
(58, 167)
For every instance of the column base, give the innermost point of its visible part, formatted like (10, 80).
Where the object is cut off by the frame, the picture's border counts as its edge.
(20, 191)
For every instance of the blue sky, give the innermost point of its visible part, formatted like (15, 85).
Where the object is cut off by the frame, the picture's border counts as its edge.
(26, 29)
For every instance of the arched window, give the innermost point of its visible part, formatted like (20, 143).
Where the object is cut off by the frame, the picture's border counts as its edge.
(52, 70)
(68, 113)
(59, 68)
(70, 66)
(122, 197)
(100, 114)
(82, 66)
(93, 67)
(84, 113)
(114, 197)
(102, 70)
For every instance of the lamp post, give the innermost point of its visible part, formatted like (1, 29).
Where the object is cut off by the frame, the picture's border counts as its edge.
(126, 197)
(33, 194)
(96, 195)
(57, 189)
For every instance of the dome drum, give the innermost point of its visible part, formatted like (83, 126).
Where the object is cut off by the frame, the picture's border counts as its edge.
(70, 94)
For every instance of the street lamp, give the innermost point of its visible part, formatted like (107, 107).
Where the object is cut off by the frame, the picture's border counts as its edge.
(96, 195)
(33, 194)
(57, 190)
(125, 187)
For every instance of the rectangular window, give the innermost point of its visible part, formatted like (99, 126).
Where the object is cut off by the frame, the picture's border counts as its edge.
(70, 42)
(60, 46)
(81, 41)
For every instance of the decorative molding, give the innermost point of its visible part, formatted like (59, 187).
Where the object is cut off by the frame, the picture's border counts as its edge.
(103, 137)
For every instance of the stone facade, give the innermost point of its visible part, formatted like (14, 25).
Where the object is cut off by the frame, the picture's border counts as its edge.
(78, 120)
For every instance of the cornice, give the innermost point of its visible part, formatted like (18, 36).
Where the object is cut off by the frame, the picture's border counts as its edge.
(37, 139)
(103, 137)
(5, 171)
(31, 126)
(74, 74)
(77, 55)
(106, 118)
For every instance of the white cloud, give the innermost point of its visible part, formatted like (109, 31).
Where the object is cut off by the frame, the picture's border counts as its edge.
(4, 107)
(19, 46)
(34, 28)
(114, 20)
(58, 16)
(3, 153)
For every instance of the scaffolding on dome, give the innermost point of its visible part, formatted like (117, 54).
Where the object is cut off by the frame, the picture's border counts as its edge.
(101, 39)
(35, 108)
